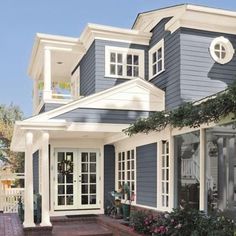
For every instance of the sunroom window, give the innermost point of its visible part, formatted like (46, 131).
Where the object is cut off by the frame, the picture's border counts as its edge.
(124, 62)
(156, 59)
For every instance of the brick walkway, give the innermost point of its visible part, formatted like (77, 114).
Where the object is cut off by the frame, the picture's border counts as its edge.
(10, 225)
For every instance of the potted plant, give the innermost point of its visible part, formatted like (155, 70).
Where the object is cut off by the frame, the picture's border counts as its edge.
(129, 197)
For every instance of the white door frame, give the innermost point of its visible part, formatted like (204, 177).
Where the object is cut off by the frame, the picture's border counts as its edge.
(77, 172)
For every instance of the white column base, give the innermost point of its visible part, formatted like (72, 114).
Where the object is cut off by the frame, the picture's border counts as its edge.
(47, 94)
(45, 224)
(29, 224)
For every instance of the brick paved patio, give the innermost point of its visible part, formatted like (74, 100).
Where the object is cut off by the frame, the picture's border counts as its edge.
(10, 225)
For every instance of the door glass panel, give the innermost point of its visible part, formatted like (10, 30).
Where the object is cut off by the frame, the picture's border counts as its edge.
(89, 178)
(65, 176)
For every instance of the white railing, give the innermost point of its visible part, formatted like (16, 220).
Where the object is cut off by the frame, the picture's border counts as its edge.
(9, 199)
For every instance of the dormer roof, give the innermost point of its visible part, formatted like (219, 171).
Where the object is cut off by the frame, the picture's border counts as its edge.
(188, 16)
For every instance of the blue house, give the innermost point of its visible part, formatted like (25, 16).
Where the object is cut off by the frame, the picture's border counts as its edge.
(87, 90)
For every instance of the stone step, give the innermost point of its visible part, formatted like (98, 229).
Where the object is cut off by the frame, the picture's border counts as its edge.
(91, 229)
(65, 220)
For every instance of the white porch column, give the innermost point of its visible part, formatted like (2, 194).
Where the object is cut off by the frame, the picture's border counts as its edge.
(203, 196)
(171, 172)
(47, 91)
(45, 180)
(29, 206)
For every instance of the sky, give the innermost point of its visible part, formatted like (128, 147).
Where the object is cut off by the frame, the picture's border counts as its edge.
(20, 20)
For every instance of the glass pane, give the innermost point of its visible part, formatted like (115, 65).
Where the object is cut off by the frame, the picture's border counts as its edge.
(84, 178)
(112, 69)
(129, 70)
(119, 175)
(167, 174)
(154, 57)
(69, 178)
(92, 167)
(132, 175)
(154, 69)
(92, 178)
(93, 188)
(123, 156)
(92, 156)
(159, 66)
(223, 54)
(60, 178)
(167, 161)
(167, 188)
(60, 200)
(167, 201)
(159, 53)
(217, 53)
(69, 200)
(128, 175)
(128, 155)
(163, 200)
(84, 157)
(61, 156)
(69, 156)
(123, 165)
(128, 165)
(113, 57)
(61, 189)
(119, 156)
(129, 59)
(136, 61)
(119, 166)
(132, 186)
(217, 46)
(136, 71)
(84, 167)
(84, 199)
(120, 70)
(132, 165)
(84, 188)
(69, 189)
(92, 199)
(119, 58)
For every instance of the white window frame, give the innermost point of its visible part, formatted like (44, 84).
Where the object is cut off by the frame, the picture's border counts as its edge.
(228, 47)
(124, 52)
(125, 171)
(153, 50)
(163, 194)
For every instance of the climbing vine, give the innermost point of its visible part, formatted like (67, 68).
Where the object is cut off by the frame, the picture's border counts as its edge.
(189, 114)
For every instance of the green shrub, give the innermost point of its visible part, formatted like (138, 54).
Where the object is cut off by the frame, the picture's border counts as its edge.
(182, 222)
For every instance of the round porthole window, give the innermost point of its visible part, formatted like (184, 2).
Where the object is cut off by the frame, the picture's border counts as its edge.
(221, 50)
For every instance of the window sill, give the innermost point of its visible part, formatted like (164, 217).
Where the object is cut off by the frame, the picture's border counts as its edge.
(119, 77)
(154, 76)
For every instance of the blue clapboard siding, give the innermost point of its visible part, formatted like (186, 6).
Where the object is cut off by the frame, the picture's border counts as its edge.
(36, 172)
(146, 175)
(87, 72)
(102, 82)
(200, 75)
(102, 115)
(49, 106)
(109, 172)
(168, 80)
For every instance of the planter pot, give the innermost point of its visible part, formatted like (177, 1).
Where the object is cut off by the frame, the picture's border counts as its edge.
(126, 211)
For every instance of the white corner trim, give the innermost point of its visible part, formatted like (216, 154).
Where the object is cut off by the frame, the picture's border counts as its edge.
(160, 44)
(124, 52)
(229, 50)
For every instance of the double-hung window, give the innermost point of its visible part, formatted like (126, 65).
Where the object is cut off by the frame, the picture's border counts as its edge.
(124, 62)
(126, 170)
(156, 59)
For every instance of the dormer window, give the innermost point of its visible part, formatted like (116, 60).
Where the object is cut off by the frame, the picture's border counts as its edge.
(221, 50)
(156, 59)
(124, 62)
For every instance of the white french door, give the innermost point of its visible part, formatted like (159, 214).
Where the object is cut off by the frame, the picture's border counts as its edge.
(76, 179)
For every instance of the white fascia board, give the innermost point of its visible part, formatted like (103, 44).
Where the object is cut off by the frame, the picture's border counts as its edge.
(95, 97)
(94, 31)
(97, 127)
